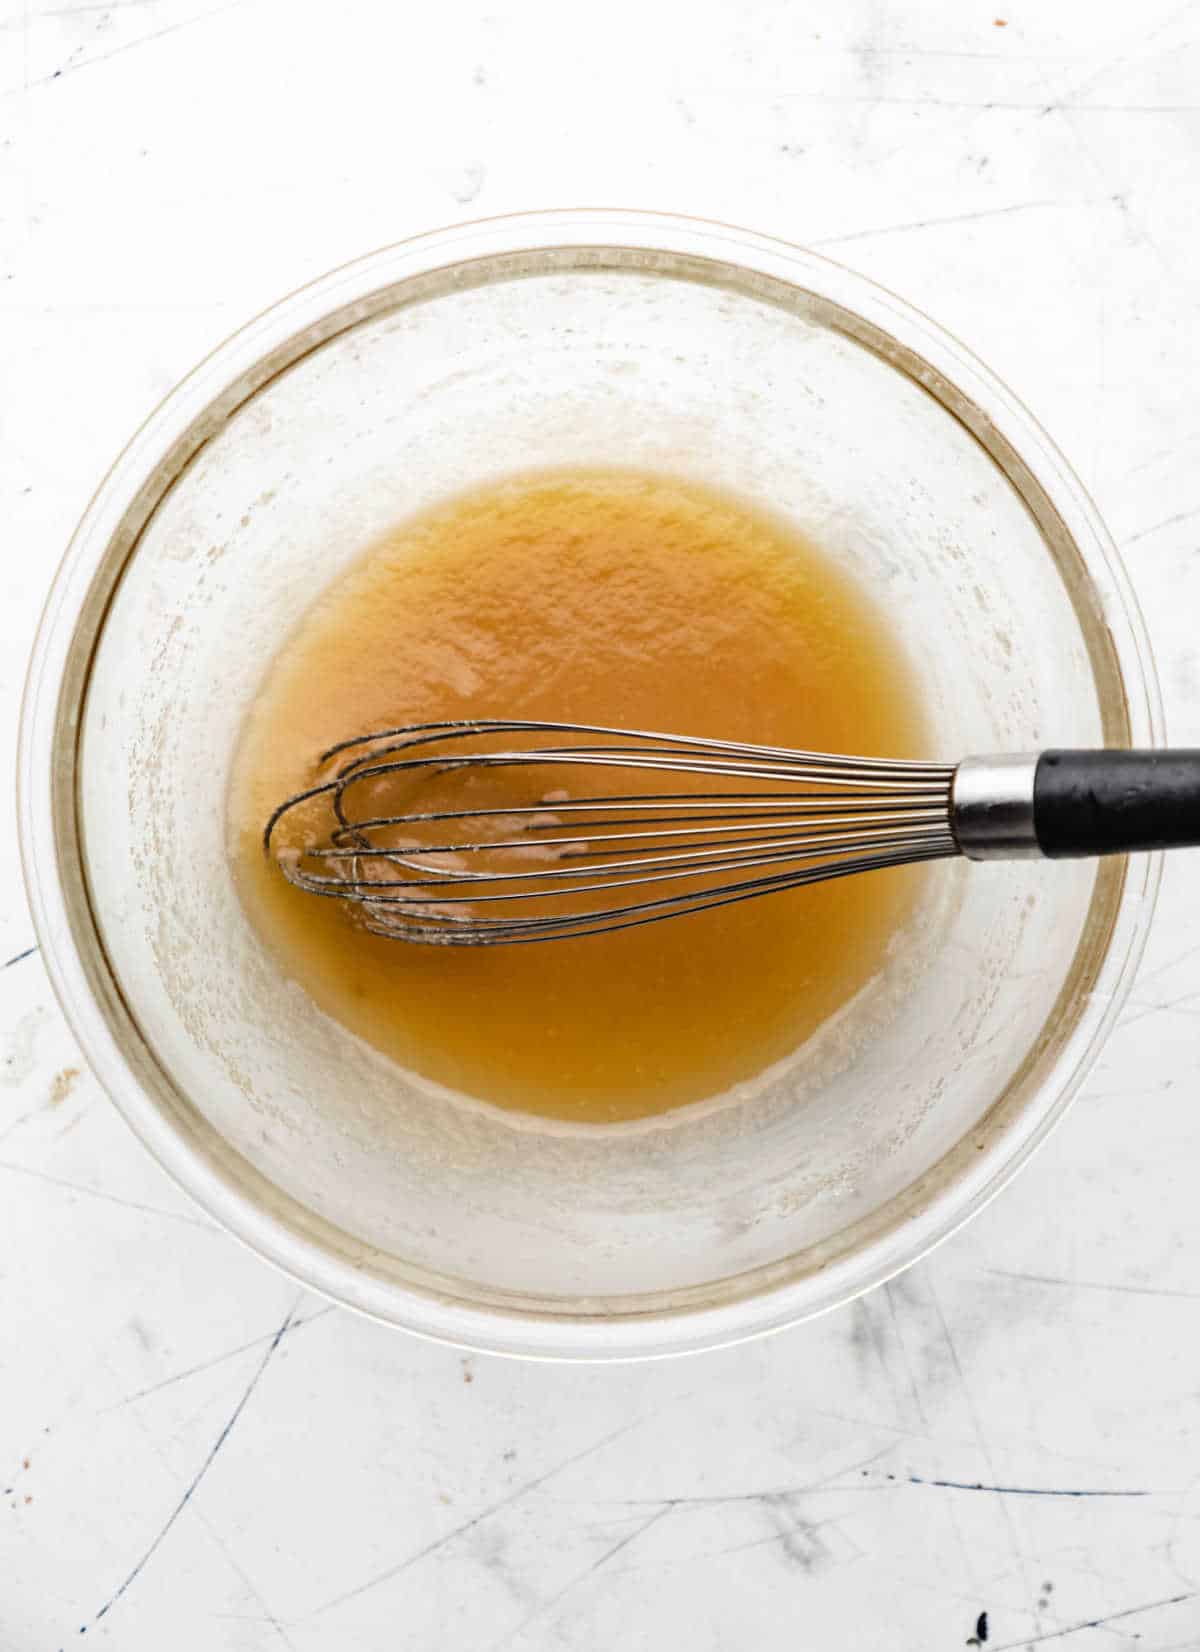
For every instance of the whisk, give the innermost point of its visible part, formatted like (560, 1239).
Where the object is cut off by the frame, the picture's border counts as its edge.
(504, 831)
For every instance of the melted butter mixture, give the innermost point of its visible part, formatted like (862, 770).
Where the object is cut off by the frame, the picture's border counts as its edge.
(623, 599)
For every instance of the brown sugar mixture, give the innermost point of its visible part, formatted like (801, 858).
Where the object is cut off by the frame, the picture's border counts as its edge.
(605, 597)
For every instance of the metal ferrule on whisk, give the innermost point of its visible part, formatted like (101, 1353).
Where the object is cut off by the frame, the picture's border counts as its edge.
(991, 807)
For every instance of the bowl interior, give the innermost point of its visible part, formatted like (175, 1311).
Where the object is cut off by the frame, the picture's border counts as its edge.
(584, 355)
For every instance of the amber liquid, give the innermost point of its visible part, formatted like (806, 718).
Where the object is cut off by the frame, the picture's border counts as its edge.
(624, 599)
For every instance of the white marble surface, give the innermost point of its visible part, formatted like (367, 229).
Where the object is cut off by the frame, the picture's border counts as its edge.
(195, 1456)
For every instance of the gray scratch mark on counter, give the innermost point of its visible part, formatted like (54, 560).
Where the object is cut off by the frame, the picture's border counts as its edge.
(1001, 56)
(986, 106)
(211, 1364)
(239, 1571)
(834, 1481)
(475, 1520)
(19, 957)
(768, 1494)
(1157, 527)
(1124, 58)
(937, 223)
(582, 1577)
(1140, 1010)
(1180, 957)
(1094, 1284)
(895, 1482)
(1093, 1623)
(773, 1540)
(889, 1294)
(108, 1198)
(21, 1118)
(132, 45)
(204, 1467)
(1030, 1491)
(1016, 1548)
(105, 6)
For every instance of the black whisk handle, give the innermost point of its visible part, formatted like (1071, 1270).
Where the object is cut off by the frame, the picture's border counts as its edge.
(1112, 802)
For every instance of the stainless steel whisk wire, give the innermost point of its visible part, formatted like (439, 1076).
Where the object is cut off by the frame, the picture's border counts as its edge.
(830, 816)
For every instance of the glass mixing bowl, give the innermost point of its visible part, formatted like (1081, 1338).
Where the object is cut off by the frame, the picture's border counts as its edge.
(580, 337)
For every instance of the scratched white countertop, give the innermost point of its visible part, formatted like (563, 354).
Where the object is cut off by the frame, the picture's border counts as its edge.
(195, 1457)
